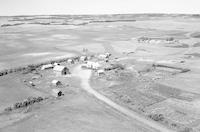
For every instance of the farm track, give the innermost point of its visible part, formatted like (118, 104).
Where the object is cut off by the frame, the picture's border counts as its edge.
(85, 75)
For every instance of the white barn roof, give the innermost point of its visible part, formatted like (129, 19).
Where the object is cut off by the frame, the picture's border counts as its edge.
(55, 81)
(59, 68)
(46, 66)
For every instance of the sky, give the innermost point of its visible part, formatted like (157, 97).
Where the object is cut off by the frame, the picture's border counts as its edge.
(48, 7)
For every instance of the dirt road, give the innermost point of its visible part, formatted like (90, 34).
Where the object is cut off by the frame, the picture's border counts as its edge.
(85, 75)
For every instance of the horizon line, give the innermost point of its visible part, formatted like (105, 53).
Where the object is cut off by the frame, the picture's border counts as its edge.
(99, 14)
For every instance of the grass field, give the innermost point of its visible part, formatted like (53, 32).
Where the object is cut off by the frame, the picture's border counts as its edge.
(32, 39)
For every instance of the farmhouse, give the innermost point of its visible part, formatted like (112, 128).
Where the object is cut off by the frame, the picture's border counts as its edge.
(48, 66)
(61, 70)
(56, 83)
(93, 65)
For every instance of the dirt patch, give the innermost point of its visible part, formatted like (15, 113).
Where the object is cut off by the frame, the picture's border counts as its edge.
(195, 35)
(194, 55)
(180, 46)
(196, 44)
(37, 54)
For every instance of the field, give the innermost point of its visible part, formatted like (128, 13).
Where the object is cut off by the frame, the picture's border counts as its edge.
(136, 41)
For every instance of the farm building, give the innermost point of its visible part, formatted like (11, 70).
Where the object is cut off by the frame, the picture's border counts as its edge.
(108, 54)
(83, 58)
(48, 66)
(104, 56)
(56, 64)
(70, 61)
(93, 65)
(84, 66)
(61, 70)
(57, 92)
(100, 72)
(31, 83)
(56, 83)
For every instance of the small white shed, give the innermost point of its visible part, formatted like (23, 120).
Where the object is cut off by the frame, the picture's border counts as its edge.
(56, 64)
(70, 61)
(83, 58)
(56, 83)
(48, 66)
(102, 56)
(100, 72)
(56, 92)
(84, 66)
(108, 54)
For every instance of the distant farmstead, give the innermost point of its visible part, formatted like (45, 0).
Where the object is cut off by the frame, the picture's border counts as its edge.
(61, 70)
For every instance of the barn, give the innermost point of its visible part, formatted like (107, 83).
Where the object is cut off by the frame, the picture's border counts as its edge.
(61, 70)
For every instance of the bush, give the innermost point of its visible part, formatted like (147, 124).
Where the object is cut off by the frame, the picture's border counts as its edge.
(25, 103)
(8, 109)
(157, 117)
(170, 39)
(40, 99)
(18, 105)
(174, 125)
(186, 129)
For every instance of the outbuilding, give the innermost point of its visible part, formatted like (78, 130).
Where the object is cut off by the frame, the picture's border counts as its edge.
(57, 92)
(100, 72)
(84, 66)
(93, 65)
(70, 61)
(108, 54)
(61, 70)
(31, 83)
(102, 56)
(48, 66)
(83, 58)
(56, 64)
(56, 83)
